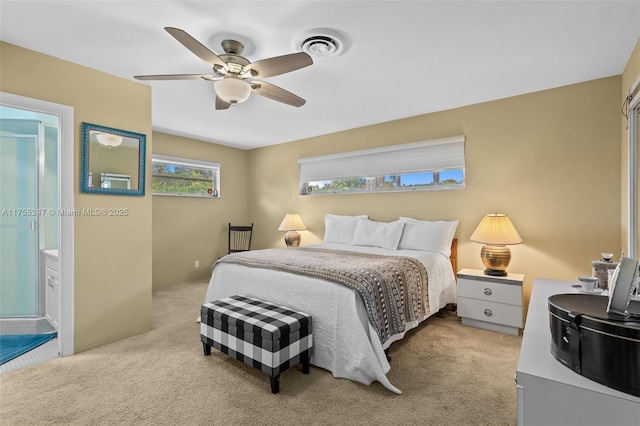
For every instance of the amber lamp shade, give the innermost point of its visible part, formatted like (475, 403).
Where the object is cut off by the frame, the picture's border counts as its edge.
(496, 231)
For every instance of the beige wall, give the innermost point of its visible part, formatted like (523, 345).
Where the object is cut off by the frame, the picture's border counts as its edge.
(629, 76)
(550, 160)
(189, 229)
(112, 260)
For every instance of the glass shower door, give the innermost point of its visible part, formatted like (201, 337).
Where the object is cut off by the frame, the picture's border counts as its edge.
(19, 218)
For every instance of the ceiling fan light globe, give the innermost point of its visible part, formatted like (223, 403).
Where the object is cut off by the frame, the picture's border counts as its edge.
(109, 140)
(232, 90)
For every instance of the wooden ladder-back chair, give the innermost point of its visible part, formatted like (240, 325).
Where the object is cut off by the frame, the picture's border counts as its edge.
(240, 238)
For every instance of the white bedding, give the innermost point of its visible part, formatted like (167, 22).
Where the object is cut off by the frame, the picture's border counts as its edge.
(344, 342)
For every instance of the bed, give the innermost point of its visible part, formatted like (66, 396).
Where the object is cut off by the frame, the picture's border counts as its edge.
(347, 339)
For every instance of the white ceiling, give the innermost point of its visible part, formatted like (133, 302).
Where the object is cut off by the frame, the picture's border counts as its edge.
(401, 59)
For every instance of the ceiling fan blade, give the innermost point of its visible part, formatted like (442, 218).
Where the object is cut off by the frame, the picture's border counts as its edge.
(196, 47)
(220, 104)
(176, 77)
(276, 93)
(279, 65)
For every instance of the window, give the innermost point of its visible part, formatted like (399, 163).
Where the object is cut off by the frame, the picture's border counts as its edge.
(430, 165)
(184, 177)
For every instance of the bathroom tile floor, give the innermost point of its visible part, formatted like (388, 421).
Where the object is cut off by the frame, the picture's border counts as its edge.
(42, 353)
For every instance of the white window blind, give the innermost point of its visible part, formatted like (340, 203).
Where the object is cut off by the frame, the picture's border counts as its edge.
(437, 154)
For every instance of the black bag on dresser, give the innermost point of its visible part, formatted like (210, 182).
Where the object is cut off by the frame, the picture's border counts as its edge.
(600, 345)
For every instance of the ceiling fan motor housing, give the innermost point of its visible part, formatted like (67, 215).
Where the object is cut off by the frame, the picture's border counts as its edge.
(232, 46)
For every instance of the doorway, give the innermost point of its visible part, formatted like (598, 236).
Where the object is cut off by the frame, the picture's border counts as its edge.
(37, 183)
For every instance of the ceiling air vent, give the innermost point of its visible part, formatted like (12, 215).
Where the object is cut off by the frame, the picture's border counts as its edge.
(322, 43)
(319, 46)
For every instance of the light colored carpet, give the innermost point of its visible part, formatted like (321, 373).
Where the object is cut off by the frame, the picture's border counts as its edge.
(449, 375)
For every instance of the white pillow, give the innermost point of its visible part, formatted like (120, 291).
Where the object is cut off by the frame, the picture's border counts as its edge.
(428, 235)
(378, 234)
(340, 229)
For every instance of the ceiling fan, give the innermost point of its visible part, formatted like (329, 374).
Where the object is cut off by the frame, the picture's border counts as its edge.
(234, 75)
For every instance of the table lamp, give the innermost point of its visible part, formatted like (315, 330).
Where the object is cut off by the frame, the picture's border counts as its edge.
(292, 223)
(496, 231)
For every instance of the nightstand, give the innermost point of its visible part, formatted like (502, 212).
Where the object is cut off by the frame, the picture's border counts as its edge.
(494, 303)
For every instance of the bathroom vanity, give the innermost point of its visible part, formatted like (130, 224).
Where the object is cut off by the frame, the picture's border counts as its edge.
(52, 287)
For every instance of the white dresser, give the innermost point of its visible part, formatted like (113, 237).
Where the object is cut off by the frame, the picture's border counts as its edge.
(490, 302)
(552, 394)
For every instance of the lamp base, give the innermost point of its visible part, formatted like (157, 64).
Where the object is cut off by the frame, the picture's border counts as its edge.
(495, 260)
(495, 273)
(292, 239)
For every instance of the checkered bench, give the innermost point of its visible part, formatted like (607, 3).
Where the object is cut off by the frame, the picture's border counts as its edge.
(265, 336)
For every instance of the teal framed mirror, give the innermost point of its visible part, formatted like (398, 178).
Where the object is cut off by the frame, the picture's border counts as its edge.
(112, 161)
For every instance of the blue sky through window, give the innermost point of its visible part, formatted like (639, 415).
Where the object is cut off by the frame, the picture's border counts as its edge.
(426, 178)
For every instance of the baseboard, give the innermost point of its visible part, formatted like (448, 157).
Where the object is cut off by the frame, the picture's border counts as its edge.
(110, 339)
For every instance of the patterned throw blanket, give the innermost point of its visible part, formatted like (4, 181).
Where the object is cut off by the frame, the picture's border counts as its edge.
(393, 288)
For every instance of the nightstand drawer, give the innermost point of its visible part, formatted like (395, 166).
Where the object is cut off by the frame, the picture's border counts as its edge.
(494, 312)
(490, 291)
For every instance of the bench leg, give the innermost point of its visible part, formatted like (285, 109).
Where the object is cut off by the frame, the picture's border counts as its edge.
(305, 364)
(275, 383)
(207, 348)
